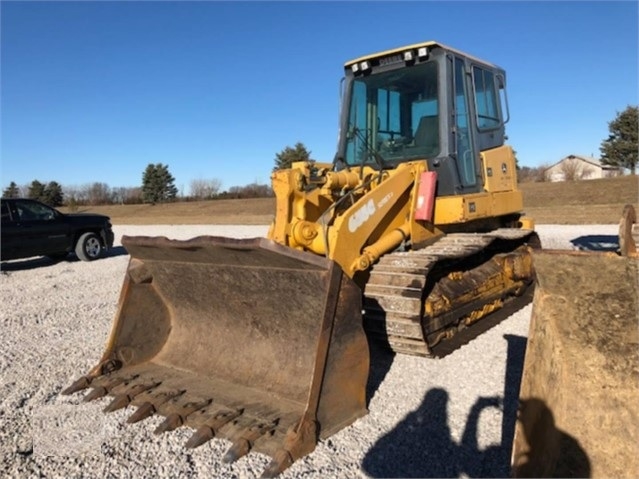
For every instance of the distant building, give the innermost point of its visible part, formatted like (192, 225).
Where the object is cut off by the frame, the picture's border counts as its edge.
(575, 167)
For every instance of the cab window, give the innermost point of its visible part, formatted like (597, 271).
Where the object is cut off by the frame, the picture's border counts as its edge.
(464, 146)
(486, 95)
(393, 116)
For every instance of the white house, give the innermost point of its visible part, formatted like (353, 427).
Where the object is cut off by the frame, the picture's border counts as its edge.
(576, 167)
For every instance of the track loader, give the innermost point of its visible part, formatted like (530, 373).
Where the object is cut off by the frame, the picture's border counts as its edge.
(411, 236)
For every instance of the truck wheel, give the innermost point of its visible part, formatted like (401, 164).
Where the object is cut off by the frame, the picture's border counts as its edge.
(88, 247)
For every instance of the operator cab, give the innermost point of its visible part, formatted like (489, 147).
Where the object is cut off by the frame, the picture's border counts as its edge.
(423, 102)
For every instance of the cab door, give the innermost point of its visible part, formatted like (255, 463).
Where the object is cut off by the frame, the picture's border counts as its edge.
(479, 124)
(465, 138)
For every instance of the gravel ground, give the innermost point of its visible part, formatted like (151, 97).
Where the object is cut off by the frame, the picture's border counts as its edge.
(451, 417)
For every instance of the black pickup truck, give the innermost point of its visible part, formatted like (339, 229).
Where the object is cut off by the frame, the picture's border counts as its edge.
(31, 228)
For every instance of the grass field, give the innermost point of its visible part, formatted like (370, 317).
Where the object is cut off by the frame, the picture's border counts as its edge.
(580, 202)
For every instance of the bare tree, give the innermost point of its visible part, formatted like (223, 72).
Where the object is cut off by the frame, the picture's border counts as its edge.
(133, 195)
(98, 193)
(253, 190)
(126, 195)
(203, 189)
(76, 193)
(536, 174)
(572, 170)
(70, 194)
(527, 174)
(543, 173)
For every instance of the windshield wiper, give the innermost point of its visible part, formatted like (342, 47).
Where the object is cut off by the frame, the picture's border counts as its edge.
(369, 150)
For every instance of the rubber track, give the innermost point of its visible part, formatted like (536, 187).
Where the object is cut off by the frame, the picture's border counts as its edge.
(393, 295)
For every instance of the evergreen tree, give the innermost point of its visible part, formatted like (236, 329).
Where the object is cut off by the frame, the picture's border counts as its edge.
(36, 190)
(158, 185)
(11, 191)
(288, 155)
(53, 195)
(620, 149)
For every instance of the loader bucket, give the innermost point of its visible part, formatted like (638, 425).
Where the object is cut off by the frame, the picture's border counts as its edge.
(242, 339)
(579, 393)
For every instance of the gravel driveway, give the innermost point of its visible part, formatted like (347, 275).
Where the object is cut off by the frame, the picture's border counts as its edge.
(451, 417)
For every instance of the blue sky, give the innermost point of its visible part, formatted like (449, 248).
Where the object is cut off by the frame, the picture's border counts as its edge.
(95, 91)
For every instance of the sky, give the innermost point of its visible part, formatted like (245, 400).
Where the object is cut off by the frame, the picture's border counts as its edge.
(95, 91)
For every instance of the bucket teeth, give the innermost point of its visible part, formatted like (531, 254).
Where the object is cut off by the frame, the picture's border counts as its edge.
(299, 441)
(145, 410)
(281, 461)
(199, 437)
(161, 397)
(243, 445)
(119, 402)
(104, 388)
(148, 408)
(123, 399)
(239, 449)
(207, 431)
(176, 419)
(97, 393)
(78, 385)
(134, 390)
(172, 421)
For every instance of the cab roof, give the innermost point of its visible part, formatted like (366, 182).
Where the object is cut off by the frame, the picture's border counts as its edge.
(428, 44)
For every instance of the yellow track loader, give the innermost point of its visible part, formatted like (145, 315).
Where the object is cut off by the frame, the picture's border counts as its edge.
(412, 235)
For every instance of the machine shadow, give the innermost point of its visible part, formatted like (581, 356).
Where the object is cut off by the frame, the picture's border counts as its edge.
(597, 243)
(381, 360)
(421, 445)
(380, 352)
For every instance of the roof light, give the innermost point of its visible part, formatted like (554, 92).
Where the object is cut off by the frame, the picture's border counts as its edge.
(365, 65)
(355, 67)
(422, 52)
(408, 56)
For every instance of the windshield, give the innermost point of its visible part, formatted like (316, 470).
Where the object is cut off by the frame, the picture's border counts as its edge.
(394, 115)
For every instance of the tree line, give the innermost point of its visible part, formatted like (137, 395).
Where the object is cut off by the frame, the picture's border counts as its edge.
(158, 186)
(93, 194)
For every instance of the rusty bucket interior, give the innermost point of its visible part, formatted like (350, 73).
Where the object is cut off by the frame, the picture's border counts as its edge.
(580, 385)
(242, 339)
